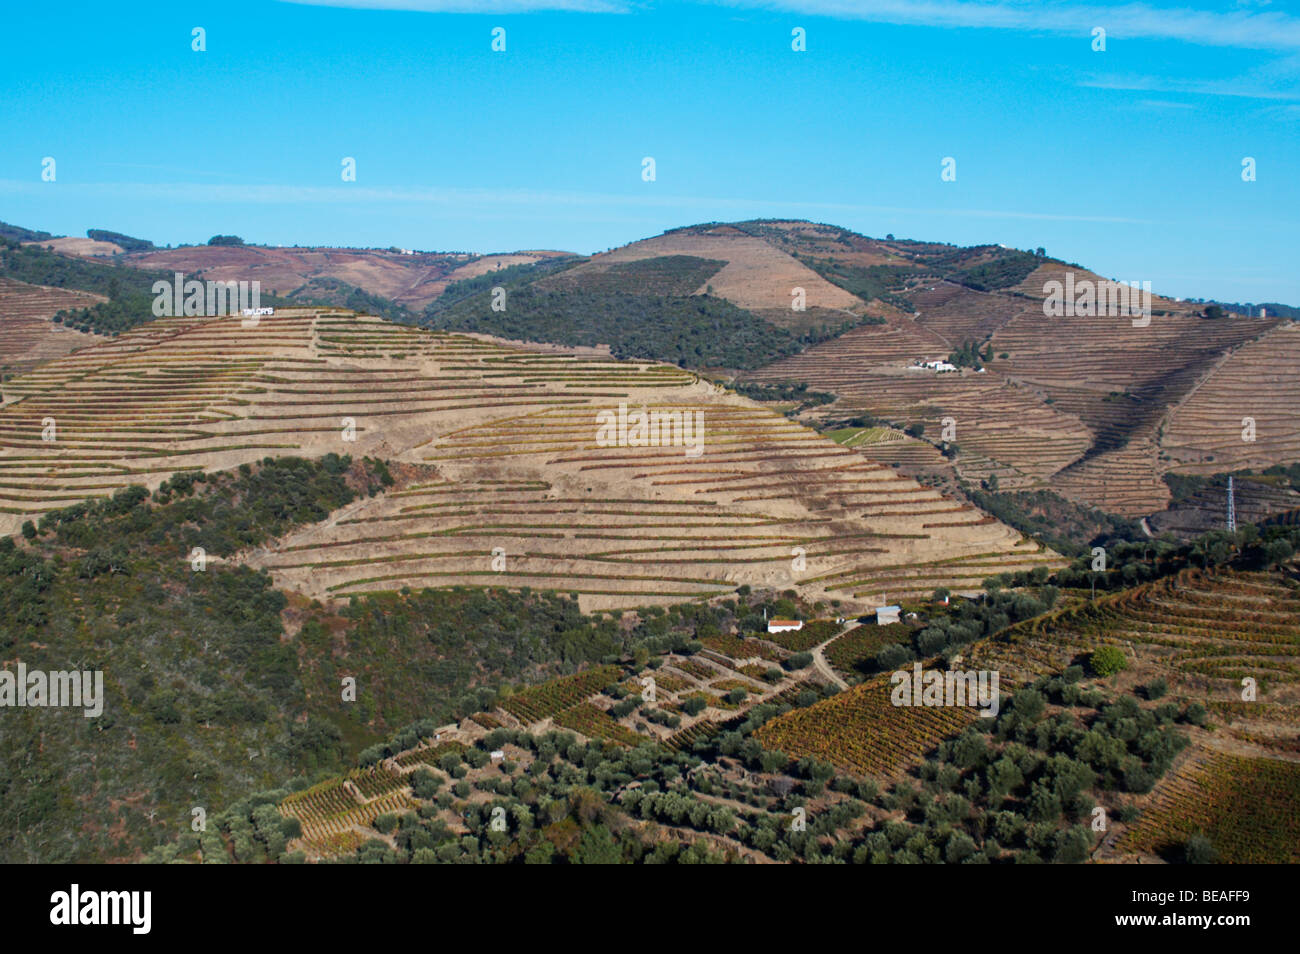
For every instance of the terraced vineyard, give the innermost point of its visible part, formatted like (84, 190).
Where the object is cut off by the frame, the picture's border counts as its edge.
(514, 485)
(1093, 408)
(1245, 806)
(1001, 429)
(859, 645)
(1203, 632)
(1208, 630)
(185, 393)
(861, 731)
(335, 813)
(551, 698)
(596, 723)
(921, 578)
(957, 313)
(1206, 433)
(27, 335)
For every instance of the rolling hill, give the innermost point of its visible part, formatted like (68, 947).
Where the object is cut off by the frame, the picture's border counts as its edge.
(409, 279)
(703, 745)
(1095, 409)
(504, 452)
(508, 559)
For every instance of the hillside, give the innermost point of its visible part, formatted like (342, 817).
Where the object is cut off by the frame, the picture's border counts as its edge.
(505, 452)
(81, 247)
(409, 280)
(1074, 405)
(708, 743)
(1094, 409)
(214, 682)
(1200, 502)
(402, 281)
(28, 335)
(476, 533)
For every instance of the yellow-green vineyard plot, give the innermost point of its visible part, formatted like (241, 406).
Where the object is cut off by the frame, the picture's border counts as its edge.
(1246, 807)
(339, 806)
(861, 731)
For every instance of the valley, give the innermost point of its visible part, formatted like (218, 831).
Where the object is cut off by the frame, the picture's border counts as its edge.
(549, 546)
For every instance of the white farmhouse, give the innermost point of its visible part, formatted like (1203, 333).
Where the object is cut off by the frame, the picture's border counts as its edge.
(784, 625)
(887, 614)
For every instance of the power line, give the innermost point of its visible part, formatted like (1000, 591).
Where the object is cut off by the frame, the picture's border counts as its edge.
(1232, 509)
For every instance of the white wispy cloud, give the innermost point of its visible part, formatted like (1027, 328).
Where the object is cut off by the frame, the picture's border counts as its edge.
(1240, 87)
(477, 6)
(274, 194)
(1247, 26)
(1243, 27)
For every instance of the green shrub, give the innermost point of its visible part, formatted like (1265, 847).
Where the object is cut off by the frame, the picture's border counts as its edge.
(1108, 660)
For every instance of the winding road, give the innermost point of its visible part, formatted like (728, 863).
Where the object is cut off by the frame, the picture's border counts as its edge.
(823, 667)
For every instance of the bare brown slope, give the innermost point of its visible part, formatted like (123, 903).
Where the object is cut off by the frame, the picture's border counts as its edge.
(80, 247)
(757, 276)
(411, 280)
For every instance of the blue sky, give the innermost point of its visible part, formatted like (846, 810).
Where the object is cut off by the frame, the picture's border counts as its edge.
(1127, 161)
